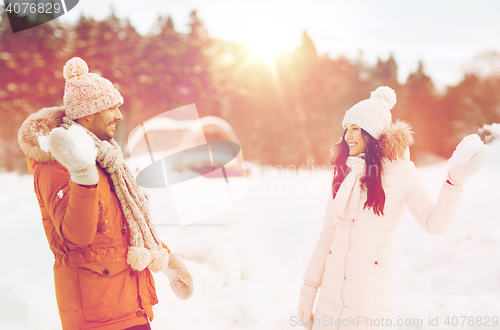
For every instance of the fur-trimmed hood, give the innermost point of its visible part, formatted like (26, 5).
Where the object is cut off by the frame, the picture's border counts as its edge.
(393, 142)
(38, 124)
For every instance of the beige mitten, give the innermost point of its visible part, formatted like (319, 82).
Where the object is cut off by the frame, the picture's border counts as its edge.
(179, 276)
(76, 150)
(470, 156)
(306, 302)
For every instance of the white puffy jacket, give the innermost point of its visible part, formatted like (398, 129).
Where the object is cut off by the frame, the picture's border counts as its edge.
(353, 263)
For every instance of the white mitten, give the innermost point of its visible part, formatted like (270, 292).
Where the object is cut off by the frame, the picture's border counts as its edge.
(470, 156)
(179, 276)
(76, 150)
(306, 302)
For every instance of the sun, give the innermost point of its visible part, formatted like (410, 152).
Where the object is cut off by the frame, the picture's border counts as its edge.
(270, 30)
(267, 43)
(266, 50)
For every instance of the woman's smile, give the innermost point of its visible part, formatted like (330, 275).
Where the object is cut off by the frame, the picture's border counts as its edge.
(354, 139)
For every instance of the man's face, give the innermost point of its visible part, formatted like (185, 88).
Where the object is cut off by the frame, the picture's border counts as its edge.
(103, 123)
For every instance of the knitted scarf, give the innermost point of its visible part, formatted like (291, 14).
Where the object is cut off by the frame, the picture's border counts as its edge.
(346, 202)
(145, 248)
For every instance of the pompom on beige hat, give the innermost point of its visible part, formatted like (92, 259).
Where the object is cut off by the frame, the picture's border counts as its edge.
(87, 93)
(374, 114)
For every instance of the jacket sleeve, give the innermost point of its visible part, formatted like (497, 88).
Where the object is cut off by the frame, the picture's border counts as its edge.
(316, 268)
(435, 218)
(73, 208)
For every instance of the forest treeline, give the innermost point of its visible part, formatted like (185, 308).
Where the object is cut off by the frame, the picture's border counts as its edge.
(286, 115)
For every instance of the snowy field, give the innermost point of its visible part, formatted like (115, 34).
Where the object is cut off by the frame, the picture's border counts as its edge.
(248, 269)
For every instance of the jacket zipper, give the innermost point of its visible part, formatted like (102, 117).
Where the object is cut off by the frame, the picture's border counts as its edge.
(343, 281)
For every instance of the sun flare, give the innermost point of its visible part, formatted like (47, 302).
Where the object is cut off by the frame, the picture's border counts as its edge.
(267, 44)
(265, 50)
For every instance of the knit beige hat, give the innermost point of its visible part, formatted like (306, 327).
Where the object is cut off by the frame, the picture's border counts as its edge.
(87, 93)
(374, 114)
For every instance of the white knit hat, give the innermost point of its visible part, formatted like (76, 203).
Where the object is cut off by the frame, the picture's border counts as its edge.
(373, 115)
(87, 93)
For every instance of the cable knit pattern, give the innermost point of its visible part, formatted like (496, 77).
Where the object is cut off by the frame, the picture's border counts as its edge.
(86, 93)
(374, 114)
(134, 205)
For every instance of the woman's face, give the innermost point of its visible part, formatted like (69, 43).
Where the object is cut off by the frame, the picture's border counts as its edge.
(354, 139)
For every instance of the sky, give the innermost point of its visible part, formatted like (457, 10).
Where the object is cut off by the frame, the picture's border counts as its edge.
(445, 34)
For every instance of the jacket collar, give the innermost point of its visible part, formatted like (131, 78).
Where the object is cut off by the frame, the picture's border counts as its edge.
(395, 141)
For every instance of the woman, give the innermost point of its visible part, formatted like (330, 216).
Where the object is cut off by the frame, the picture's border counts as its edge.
(353, 263)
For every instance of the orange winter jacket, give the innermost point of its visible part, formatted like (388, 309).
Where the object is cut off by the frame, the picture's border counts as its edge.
(88, 234)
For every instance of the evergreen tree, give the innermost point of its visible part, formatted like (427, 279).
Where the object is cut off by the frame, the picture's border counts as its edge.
(159, 68)
(469, 105)
(421, 111)
(308, 111)
(110, 49)
(195, 84)
(385, 73)
(287, 114)
(30, 65)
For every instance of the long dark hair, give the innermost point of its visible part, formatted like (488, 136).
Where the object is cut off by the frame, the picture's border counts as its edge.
(372, 180)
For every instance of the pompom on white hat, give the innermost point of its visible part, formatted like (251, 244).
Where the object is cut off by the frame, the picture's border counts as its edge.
(87, 93)
(374, 114)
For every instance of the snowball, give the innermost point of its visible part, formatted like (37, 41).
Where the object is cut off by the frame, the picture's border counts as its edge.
(74, 147)
(466, 149)
(75, 67)
(43, 141)
(384, 93)
(84, 144)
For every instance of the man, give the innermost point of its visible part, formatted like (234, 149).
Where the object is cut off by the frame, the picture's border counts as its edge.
(96, 219)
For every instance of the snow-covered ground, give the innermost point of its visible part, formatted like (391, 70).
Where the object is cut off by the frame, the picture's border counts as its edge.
(248, 268)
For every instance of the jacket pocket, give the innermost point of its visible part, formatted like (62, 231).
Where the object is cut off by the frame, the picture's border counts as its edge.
(383, 262)
(107, 290)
